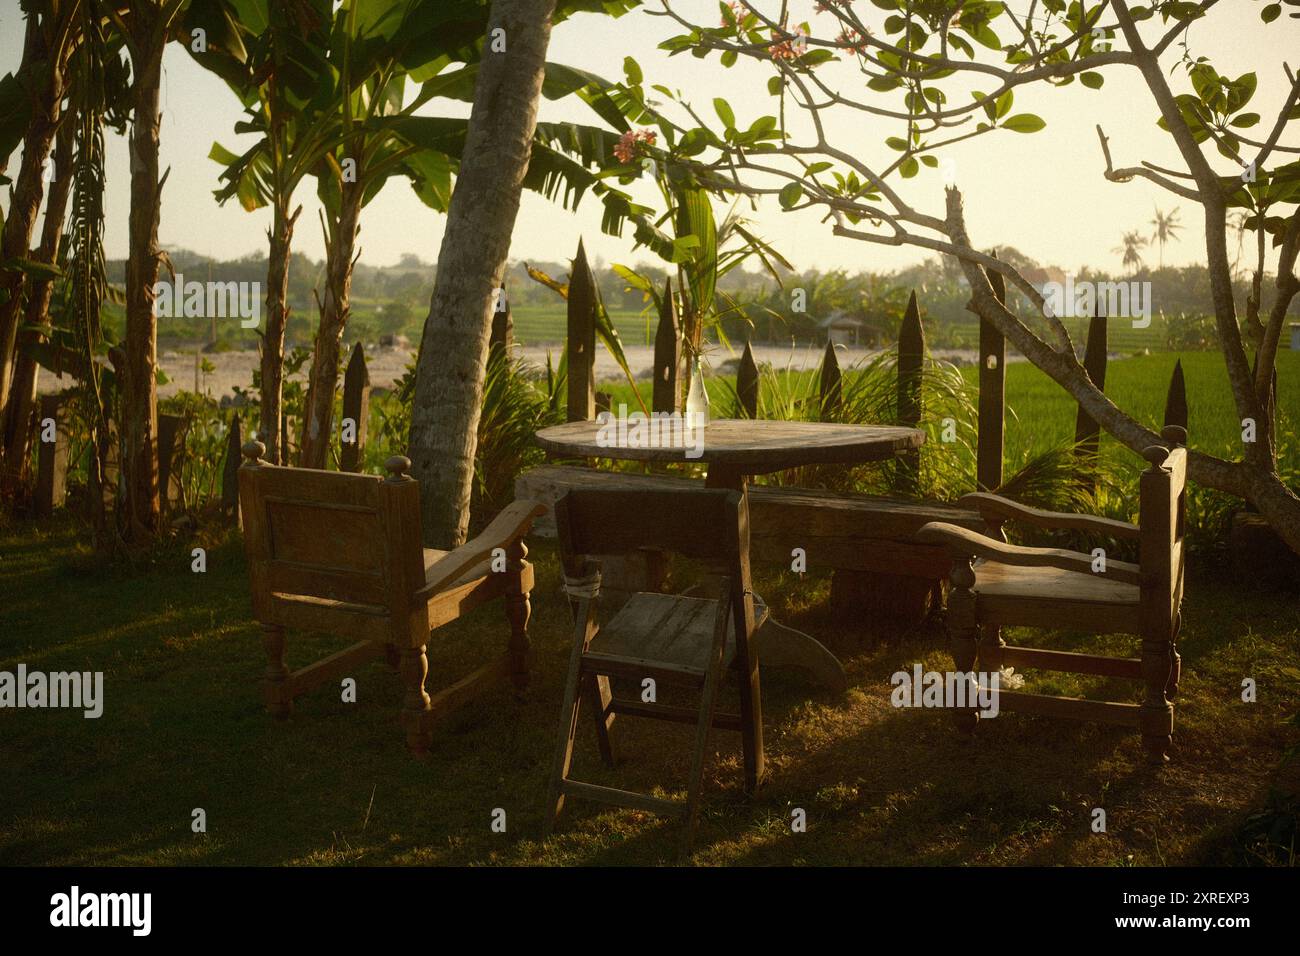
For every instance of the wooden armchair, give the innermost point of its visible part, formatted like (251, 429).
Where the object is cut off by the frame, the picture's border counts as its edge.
(996, 584)
(688, 641)
(341, 553)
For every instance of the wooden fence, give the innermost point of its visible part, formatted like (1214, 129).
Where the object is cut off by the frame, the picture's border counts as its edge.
(910, 402)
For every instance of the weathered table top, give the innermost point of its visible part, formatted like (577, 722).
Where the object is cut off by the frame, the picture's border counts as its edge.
(751, 447)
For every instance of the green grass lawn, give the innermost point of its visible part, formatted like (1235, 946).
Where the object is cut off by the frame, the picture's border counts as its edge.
(183, 728)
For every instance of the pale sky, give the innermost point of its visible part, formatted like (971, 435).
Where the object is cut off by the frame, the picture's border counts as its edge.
(1042, 193)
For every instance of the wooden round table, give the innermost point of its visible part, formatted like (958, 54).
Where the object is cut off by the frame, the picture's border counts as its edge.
(734, 449)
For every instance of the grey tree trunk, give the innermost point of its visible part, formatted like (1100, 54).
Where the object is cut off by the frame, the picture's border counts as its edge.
(471, 264)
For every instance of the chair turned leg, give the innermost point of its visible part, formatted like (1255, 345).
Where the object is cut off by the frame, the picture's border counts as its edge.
(278, 702)
(518, 610)
(1156, 714)
(963, 634)
(415, 704)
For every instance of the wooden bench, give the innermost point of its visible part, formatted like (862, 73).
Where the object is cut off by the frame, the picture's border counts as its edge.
(869, 541)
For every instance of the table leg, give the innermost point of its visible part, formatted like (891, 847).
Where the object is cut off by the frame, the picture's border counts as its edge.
(778, 645)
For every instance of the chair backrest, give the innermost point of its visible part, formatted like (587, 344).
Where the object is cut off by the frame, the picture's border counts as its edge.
(332, 551)
(706, 524)
(1162, 517)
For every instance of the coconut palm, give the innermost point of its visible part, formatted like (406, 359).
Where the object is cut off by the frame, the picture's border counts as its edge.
(1130, 246)
(1166, 229)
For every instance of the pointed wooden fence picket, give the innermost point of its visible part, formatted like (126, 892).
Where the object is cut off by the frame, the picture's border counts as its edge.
(830, 387)
(581, 340)
(1087, 433)
(1176, 398)
(747, 383)
(992, 395)
(356, 412)
(911, 362)
(230, 470)
(668, 354)
(502, 339)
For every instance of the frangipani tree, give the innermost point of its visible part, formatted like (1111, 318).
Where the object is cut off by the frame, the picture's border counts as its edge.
(942, 71)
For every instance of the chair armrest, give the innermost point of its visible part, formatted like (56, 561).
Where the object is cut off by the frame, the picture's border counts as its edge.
(964, 542)
(506, 528)
(997, 508)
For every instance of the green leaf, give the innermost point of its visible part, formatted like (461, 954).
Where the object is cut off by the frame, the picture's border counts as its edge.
(790, 195)
(1003, 106)
(724, 111)
(1024, 123)
(222, 155)
(1092, 79)
(907, 169)
(1271, 12)
(632, 70)
(1245, 120)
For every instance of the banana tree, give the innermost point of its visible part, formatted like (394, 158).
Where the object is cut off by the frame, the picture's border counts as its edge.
(372, 50)
(32, 101)
(431, 50)
(69, 337)
(278, 69)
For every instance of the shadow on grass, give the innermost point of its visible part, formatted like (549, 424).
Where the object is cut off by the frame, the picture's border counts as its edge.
(183, 729)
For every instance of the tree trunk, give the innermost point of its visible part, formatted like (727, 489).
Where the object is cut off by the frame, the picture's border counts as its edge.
(277, 317)
(471, 264)
(318, 416)
(139, 513)
(22, 391)
(28, 190)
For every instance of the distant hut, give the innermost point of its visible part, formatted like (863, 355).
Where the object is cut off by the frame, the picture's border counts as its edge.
(842, 329)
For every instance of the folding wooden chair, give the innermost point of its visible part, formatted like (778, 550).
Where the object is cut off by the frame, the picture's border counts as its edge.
(996, 584)
(341, 553)
(670, 638)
